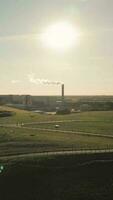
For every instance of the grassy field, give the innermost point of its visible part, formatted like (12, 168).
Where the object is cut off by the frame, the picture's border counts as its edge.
(23, 141)
(15, 140)
(99, 127)
(58, 177)
(55, 177)
(26, 116)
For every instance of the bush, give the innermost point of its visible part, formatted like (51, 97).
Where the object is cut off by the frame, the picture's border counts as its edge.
(6, 113)
(63, 111)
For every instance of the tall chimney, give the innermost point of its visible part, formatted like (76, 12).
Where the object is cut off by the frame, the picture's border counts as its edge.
(62, 92)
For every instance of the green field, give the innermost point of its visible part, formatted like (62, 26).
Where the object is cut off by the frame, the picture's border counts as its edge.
(55, 177)
(19, 139)
(99, 127)
(26, 116)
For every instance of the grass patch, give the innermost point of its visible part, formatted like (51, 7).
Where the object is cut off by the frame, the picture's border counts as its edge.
(14, 140)
(99, 127)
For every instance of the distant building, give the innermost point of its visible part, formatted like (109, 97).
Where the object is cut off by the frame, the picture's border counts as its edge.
(27, 100)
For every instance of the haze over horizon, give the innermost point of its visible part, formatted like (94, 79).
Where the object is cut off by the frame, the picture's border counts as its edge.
(84, 66)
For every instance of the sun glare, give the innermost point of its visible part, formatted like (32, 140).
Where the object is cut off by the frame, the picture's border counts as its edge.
(61, 36)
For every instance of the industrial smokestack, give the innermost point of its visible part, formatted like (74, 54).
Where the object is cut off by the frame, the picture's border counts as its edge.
(62, 91)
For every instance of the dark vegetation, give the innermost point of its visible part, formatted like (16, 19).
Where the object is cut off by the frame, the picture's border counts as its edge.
(94, 106)
(5, 113)
(83, 177)
(63, 111)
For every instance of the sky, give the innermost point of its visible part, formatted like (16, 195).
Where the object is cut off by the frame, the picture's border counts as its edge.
(85, 68)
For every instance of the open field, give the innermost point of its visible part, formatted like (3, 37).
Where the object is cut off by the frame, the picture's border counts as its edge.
(26, 116)
(28, 175)
(58, 177)
(99, 127)
(17, 139)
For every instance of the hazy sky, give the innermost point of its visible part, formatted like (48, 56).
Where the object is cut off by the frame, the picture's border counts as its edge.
(86, 68)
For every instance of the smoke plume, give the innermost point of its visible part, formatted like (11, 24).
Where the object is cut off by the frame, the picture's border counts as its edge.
(33, 79)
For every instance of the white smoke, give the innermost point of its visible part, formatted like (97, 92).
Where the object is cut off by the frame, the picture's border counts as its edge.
(33, 79)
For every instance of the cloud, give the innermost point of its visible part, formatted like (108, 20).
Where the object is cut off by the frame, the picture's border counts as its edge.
(20, 37)
(16, 81)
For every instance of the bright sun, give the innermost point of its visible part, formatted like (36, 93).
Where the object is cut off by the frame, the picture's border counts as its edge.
(61, 36)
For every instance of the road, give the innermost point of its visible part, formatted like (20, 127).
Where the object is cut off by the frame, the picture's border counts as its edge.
(63, 121)
(52, 153)
(74, 132)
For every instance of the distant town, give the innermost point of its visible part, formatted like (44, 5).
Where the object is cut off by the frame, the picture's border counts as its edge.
(63, 104)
